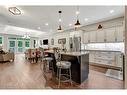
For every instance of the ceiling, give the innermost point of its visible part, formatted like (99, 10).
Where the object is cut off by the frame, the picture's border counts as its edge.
(33, 17)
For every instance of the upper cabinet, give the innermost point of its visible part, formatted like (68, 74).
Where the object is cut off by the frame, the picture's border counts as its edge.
(120, 34)
(100, 35)
(86, 37)
(110, 34)
(93, 36)
(113, 34)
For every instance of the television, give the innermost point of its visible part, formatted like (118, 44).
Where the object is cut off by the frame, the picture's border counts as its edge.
(45, 42)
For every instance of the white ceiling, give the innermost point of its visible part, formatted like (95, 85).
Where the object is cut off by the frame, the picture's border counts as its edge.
(36, 16)
(7, 29)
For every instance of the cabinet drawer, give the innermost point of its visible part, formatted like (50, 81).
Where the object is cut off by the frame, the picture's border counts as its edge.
(103, 62)
(98, 61)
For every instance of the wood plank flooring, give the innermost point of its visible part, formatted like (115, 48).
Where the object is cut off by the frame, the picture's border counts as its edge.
(24, 75)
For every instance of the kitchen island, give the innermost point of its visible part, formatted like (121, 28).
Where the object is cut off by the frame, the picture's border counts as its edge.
(79, 64)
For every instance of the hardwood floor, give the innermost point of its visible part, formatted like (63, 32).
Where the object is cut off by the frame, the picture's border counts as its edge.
(25, 75)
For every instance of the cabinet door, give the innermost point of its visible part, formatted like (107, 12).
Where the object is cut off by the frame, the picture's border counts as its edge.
(92, 36)
(100, 36)
(110, 34)
(91, 57)
(86, 37)
(119, 34)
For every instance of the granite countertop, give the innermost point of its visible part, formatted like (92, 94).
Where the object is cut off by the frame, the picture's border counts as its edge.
(80, 53)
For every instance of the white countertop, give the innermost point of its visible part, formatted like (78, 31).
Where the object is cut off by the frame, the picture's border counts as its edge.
(70, 53)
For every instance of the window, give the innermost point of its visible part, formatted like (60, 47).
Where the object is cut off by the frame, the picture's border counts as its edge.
(12, 43)
(1, 40)
(20, 44)
(27, 43)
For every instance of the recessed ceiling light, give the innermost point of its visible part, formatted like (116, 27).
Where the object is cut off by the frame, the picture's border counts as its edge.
(70, 24)
(77, 12)
(38, 28)
(111, 11)
(60, 20)
(86, 19)
(46, 24)
(51, 30)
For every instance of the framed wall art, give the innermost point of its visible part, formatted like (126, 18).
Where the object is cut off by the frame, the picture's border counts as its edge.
(62, 41)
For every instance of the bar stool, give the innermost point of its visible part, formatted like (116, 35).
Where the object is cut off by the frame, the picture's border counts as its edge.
(47, 60)
(62, 65)
(46, 84)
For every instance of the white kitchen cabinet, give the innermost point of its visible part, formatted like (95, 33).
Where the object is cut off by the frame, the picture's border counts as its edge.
(91, 57)
(92, 36)
(86, 37)
(110, 34)
(100, 35)
(106, 58)
(114, 34)
(119, 34)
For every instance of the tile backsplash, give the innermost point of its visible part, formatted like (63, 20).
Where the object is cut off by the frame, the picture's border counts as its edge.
(104, 46)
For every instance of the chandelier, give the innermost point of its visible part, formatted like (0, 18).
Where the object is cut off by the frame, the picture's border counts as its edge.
(14, 10)
(60, 27)
(26, 36)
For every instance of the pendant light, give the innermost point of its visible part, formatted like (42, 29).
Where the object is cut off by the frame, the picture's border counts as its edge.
(77, 24)
(60, 27)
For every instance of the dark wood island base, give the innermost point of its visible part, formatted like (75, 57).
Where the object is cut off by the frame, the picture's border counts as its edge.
(79, 64)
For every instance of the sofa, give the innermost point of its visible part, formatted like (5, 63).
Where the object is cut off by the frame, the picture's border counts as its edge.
(7, 57)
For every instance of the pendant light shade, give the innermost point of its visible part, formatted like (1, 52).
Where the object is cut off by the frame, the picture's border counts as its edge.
(60, 27)
(77, 24)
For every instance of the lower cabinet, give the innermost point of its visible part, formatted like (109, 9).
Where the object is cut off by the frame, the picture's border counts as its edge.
(112, 58)
(108, 59)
